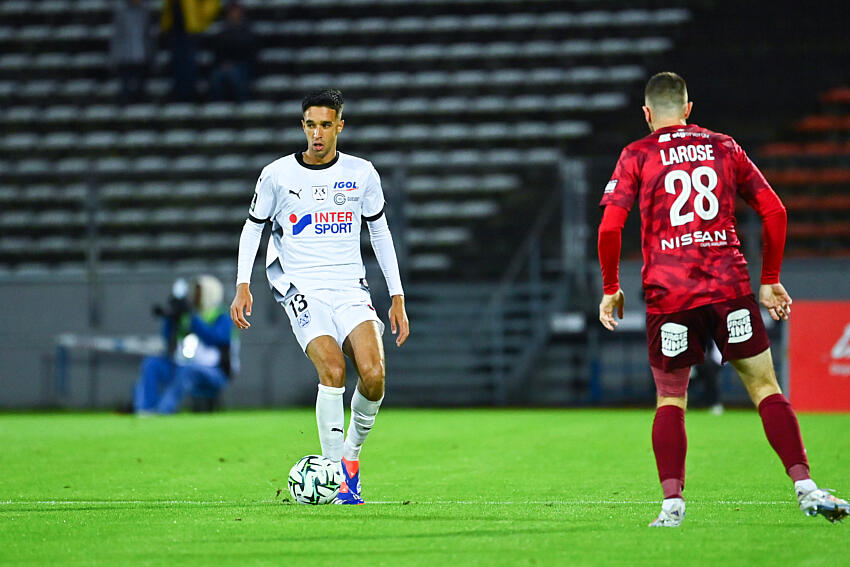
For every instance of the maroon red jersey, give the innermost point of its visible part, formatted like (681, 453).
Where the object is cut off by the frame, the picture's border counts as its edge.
(686, 179)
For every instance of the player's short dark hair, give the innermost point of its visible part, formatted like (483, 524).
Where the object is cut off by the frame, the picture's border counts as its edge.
(666, 90)
(329, 98)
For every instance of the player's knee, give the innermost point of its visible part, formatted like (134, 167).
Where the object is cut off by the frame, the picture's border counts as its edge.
(673, 383)
(333, 375)
(759, 390)
(373, 392)
(372, 380)
(372, 373)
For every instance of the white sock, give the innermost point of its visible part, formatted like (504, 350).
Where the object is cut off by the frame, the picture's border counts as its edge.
(330, 417)
(804, 486)
(363, 412)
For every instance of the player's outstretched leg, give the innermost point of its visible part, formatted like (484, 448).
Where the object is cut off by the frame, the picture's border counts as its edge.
(363, 413)
(363, 345)
(783, 433)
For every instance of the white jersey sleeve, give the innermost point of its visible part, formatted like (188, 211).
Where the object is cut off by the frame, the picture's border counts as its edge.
(382, 244)
(249, 242)
(373, 196)
(263, 204)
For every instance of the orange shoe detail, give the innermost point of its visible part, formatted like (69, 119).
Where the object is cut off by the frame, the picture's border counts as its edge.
(352, 467)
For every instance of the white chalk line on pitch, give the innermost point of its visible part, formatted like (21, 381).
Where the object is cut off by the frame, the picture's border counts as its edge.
(382, 502)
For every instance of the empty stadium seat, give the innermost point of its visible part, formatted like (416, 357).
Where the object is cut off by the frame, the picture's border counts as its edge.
(421, 77)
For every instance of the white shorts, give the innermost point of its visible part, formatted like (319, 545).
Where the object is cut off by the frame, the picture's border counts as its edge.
(333, 312)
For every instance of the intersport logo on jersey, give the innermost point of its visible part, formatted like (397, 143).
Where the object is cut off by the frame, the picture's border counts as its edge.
(324, 222)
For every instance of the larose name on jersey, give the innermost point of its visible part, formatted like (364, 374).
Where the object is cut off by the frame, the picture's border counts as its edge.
(324, 222)
(681, 154)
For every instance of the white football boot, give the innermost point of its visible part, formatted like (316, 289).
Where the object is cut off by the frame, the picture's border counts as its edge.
(672, 514)
(820, 502)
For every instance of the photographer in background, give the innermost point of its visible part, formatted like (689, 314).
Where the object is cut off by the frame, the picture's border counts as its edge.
(200, 358)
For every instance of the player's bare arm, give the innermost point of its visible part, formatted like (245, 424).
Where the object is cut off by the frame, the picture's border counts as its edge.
(398, 320)
(609, 303)
(776, 300)
(241, 306)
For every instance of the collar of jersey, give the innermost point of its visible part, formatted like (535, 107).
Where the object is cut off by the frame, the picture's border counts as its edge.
(300, 159)
(674, 128)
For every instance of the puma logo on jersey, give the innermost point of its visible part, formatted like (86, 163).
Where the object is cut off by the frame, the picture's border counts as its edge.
(298, 194)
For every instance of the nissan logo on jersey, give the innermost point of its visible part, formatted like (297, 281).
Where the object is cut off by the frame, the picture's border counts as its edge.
(327, 222)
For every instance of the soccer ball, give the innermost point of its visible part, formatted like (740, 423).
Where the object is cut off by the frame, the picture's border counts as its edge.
(315, 480)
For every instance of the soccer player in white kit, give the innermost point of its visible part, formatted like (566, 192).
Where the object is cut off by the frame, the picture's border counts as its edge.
(316, 201)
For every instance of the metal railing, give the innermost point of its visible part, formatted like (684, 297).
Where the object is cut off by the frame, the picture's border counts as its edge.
(534, 292)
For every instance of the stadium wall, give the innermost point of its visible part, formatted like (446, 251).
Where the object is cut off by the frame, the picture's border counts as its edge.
(274, 370)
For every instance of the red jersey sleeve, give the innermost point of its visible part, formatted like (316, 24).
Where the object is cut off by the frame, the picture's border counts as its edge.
(749, 179)
(756, 191)
(774, 221)
(609, 245)
(623, 187)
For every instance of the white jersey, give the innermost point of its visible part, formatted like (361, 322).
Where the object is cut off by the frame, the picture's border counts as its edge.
(316, 213)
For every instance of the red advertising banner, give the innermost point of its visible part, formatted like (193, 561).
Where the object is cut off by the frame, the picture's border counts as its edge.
(819, 355)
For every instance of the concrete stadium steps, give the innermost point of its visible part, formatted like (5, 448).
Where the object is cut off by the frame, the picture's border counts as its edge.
(408, 78)
(475, 26)
(213, 142)
(451, 346)
(480, 83)
(810, 170)
(139, 127)
(53, 23)
(562, 376)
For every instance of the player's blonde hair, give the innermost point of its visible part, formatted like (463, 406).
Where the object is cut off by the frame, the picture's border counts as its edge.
(212, 292)
(666, 93)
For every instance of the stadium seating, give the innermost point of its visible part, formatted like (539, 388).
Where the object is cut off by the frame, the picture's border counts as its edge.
(811, 172)
(420, 78)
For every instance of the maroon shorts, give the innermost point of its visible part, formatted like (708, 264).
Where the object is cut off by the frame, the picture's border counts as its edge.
(677, 340)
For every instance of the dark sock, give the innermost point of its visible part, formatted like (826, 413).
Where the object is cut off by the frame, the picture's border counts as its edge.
(783, 433)
(670, 444)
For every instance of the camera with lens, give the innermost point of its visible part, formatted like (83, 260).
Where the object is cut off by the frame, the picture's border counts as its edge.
(177, 304)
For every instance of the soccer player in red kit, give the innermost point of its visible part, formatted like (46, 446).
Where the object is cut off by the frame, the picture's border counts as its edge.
(696, 283)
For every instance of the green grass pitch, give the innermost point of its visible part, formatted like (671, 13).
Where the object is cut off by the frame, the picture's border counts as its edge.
(450, 487)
